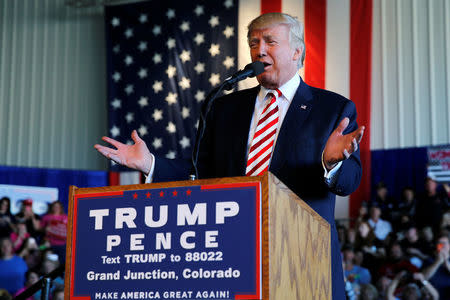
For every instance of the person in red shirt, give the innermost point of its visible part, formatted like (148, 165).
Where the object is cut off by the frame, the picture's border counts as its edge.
(54, 225)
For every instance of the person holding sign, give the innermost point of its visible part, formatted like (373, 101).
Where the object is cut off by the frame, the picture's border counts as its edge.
(305, 136)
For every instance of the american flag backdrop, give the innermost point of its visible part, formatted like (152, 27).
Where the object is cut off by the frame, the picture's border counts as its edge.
(165, 56)
(163, 59)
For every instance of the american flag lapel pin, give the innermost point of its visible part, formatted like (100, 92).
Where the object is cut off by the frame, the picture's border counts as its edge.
(303, 106)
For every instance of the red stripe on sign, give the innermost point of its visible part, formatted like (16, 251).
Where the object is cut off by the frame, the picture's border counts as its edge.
(315, 40)
(268, 6)
(360, 88)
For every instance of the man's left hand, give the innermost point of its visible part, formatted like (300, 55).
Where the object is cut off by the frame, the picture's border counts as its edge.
(340, 146)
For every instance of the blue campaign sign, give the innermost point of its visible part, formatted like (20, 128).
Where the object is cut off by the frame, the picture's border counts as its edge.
(196, 242)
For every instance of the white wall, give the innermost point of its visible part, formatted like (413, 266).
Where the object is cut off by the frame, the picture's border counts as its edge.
(52, 85)
(411, 73)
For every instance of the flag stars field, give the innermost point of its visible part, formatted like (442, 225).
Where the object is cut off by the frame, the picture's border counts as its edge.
(157, 115)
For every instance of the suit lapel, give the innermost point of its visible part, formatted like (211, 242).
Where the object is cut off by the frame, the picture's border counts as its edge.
(242, 120)
(297, 113)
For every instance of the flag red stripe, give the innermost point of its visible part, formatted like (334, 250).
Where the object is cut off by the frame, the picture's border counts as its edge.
(315, 40)
(360, 88)
(114, 178)
(270, 6)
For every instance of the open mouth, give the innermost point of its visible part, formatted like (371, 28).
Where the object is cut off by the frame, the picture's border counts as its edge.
(266, 65)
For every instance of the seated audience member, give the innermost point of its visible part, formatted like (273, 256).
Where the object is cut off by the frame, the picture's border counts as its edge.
(6, 219)
(405, 286)
(396, 262)
(404, 212)
(382, 285)
(4, 295)
(412, 245)
(363, 213)
(27, 216)
(12, 268)
(58, 293)
(49, 264)
(356, 275)
(426, 241)
(438, 270)
(380, 227)
(445, 223)
(431, 206)
(54, 225)
(383, 201)
(368, 292)
(19, 236)
(31, 277)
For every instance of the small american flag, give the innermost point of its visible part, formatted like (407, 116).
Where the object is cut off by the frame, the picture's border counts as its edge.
(163, 57)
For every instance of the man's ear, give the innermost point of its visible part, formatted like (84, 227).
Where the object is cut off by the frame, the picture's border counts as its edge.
(298, 53)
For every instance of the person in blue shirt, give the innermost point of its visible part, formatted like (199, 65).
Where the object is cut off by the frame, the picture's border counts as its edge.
(12, 267)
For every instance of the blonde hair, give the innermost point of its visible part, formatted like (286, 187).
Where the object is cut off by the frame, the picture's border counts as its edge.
(296, 31)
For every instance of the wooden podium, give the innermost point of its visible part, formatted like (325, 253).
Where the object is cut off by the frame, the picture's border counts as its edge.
(295, 254)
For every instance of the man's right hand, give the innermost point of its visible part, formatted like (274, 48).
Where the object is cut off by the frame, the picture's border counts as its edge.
(136, 156)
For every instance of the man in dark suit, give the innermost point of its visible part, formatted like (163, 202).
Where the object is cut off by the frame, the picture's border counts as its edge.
(312, 146)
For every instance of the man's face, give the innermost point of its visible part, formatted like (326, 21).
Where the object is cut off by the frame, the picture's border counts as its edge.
(271, 46)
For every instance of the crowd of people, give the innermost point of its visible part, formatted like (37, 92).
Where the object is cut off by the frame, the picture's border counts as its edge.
(394, 249)
(399, 248)
(31, 246)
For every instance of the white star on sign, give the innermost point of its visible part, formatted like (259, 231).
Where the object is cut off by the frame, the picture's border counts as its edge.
(228, 3)
(199, 68)
(214, 21)
(199, 10)
(143, 101)
(157, 114)
(200, 95)
(116, 49)
(185, 142)
(199, 38)
(142, 73)
(142, 130)
(142, 46)
(185, 56)
(156, 30)
(116, 103)
(228, 32)
(185, 26)
(171, 128)
(184, 83)
(228, 62)
(171, 71)
(185, 112)
(157, 58)
(129, 89)
(214, 79)
(170, 43)
(143, 18)
(115, 131)
(171, 98)
(214, 49)
(157, 86)
(170, 13)
(129, 33)
(116, 76)
(157, 143)
(170, 155)
(115, 22)
(129, 117)
(128, 60)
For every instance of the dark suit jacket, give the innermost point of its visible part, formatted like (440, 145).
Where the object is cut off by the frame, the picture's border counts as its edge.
(297, 159)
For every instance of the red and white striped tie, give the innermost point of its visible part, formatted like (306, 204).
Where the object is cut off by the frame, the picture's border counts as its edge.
(264, 138)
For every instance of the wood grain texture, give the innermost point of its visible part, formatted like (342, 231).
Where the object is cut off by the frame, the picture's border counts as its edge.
(299, 247)
(67, 285)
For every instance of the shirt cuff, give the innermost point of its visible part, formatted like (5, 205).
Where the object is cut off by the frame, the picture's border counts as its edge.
(329, 175)
(149, 176)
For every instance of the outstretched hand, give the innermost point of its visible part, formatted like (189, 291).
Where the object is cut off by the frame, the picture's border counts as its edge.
(340, 146)
(136, 156)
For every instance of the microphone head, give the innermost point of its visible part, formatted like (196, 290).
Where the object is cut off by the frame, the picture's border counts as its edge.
(257, 68)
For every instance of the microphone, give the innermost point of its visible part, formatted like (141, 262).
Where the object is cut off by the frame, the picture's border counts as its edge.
(251, 70)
